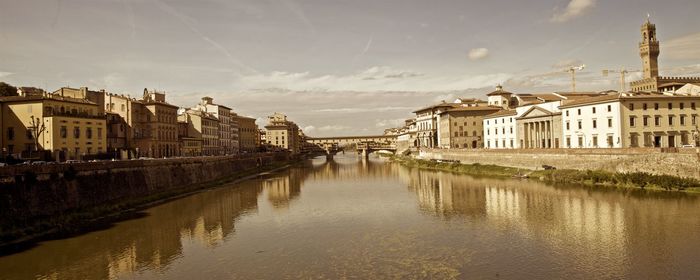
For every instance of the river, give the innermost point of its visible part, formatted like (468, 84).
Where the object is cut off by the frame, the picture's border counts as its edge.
(370, 219)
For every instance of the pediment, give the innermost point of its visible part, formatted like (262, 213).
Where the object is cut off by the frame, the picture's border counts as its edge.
(536, 111)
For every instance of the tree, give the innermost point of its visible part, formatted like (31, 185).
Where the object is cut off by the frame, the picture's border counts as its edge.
(7, 89)
(37, 129)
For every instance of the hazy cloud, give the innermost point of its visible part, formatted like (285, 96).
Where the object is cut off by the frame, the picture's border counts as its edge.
(5, 74)
(378, 78)
(566, 63)
(686, 47)
(574, 9)
(478, 53)
(389, 123)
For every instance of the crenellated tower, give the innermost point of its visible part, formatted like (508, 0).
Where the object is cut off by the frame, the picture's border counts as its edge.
(649, 50)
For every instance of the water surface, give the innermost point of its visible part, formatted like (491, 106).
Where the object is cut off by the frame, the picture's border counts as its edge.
(353, 218)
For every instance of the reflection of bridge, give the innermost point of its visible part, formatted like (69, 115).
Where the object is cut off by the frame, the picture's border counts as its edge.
(364, 144)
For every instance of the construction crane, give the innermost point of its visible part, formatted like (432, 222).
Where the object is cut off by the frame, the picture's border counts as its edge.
(623, 72)
(573, 70)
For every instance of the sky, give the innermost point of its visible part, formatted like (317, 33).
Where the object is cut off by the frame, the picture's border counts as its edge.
(336, 67)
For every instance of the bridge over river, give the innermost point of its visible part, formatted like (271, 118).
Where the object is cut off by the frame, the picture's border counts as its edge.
(364, 144)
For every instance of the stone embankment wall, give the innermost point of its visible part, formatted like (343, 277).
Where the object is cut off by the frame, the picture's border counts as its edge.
(28, 193)
(682, 163)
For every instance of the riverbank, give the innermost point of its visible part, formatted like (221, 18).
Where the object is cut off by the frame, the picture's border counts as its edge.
(595, 178)
(73, 201)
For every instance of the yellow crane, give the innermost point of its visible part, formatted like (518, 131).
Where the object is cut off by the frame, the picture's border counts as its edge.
(573, 70)
(623, 72)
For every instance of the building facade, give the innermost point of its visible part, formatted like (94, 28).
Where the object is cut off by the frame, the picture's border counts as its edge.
(70, 128)
(156, 128)
(249, 138)
(462, 127)
(282, 133)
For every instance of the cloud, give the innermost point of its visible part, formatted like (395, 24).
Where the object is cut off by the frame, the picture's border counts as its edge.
(389, 123)
(682, 48)
(5, 74)
(363, 109)
(333, 128)
(309, 128)
(566, 63)
(377, 78)
(478, 53)
(574, 9)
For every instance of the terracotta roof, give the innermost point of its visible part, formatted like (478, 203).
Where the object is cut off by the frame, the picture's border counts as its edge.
(499, 92)
(39, 97)
(501, 113)
(473, 108)
(590, 100)
(441, 105)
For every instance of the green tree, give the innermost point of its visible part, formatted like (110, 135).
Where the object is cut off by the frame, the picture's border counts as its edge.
(7, 90)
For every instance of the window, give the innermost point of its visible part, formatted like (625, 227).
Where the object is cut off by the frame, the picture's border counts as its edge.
(567, 113)
(682, 119)
(579, 111)
(693, 120)
(595, 141)
(631, 121)
(593, 110)
(609, 122)
(644, 106)
(657, 121)
(568, 142)
(610, 141)
(76, 132)
(692, 105)
(595, 124)
(631, 107)
(580, 125)
(646, 121)
(609, 108)
(670, 120)
(88, 133)
(681, 106)
(64, 132)
(456, 133)
(656, 106)
(670, 105)
(10, 133)
(580, 141)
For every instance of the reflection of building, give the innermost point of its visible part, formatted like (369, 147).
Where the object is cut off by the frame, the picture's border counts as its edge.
(649, 52)
(281, 190)
(283, 133)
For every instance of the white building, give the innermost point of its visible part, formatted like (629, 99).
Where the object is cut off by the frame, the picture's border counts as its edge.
(592, 122)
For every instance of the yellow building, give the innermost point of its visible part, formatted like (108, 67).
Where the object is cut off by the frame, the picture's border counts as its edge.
(70, 128)
(248, 133)
(282, 133)
(204, 126)
(190, 143)
(155, 126)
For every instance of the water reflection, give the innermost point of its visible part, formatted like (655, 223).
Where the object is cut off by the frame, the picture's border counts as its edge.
(626, 234)
(349, 217)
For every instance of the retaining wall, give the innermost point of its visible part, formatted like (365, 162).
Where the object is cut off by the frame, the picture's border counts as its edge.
(30, 193)
(685, 163)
